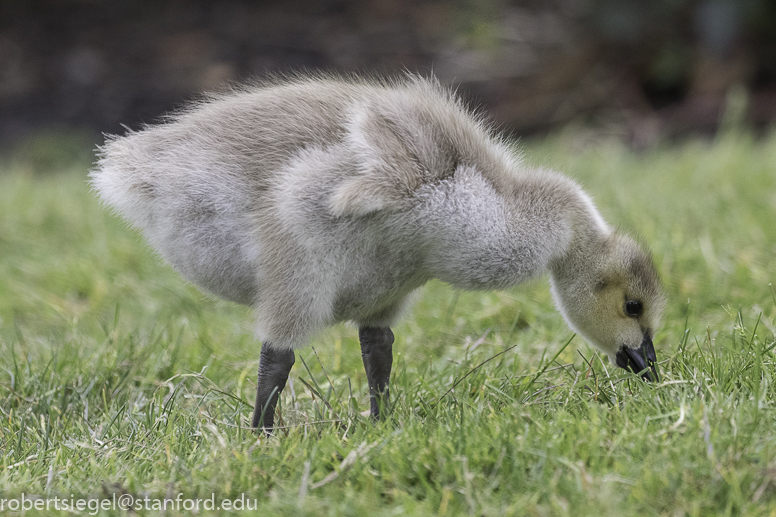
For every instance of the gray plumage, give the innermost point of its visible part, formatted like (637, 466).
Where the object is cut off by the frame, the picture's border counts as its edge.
(323, 199)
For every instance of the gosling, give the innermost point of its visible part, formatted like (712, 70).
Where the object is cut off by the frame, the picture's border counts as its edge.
(323, 199)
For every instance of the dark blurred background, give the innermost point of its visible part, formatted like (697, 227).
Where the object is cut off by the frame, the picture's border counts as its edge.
(640, 69)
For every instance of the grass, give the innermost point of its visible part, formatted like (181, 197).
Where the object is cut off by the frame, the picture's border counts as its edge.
(116, 377)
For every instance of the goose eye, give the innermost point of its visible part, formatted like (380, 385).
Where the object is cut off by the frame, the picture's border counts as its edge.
(633, 309)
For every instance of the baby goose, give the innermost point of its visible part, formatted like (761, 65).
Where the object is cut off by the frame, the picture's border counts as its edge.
(323, 199)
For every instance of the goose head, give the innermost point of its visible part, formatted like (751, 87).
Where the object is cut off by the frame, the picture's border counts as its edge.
(609, 292)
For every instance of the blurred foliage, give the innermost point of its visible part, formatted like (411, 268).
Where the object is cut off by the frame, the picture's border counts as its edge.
(639, 67)
(51, 150)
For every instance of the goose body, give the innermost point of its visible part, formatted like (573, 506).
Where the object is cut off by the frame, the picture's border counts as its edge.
(319, 200)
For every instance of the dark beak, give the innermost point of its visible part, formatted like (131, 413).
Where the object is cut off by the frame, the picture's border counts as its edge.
(640, 360)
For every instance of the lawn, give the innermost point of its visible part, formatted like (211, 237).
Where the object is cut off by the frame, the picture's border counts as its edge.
(119, 379)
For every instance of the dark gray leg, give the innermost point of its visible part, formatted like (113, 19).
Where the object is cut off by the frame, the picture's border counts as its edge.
(376, 351)
(274, 366)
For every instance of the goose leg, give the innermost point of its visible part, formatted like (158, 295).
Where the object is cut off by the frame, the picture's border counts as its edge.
(274, 367)
(376, 351)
